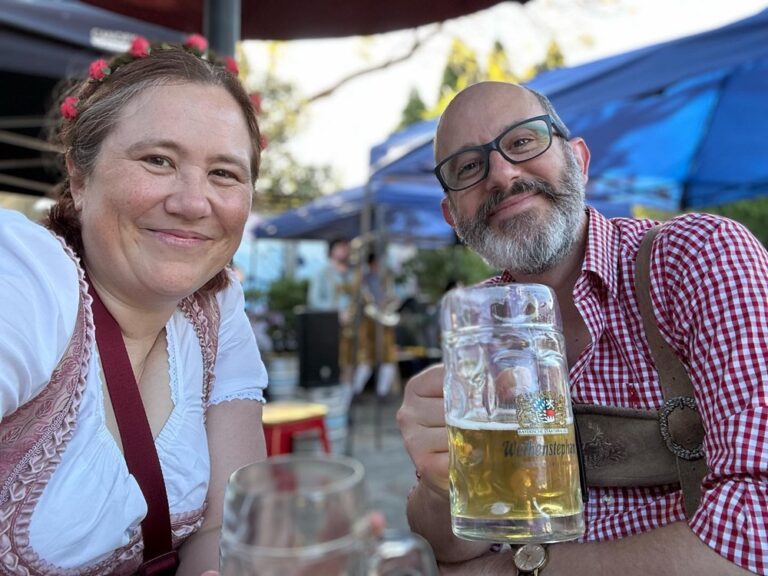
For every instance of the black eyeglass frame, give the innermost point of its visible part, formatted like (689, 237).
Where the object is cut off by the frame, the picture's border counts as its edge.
(554, 127)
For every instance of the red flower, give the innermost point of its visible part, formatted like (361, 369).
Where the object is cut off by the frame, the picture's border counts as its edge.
(255, 101)
(197, 43)
(263, 141)
(139, 47)
(69, 106)
(99, 69)
(231, 65)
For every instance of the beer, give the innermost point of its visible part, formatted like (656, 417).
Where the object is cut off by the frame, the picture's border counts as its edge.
(514, 471)
(509, 486)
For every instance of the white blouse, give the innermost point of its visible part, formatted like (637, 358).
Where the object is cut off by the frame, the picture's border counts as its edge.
(92, 504)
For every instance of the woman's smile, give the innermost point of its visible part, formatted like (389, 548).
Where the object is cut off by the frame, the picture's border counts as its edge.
(180, 238)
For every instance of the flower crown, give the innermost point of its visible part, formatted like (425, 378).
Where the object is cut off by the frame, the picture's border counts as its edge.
(100, 69)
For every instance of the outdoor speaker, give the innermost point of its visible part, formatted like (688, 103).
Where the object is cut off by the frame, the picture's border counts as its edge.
(318, 342)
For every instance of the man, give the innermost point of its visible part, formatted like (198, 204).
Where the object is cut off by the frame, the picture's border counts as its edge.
(331, 289)
(519, 202)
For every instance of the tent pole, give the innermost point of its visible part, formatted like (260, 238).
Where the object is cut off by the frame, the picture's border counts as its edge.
(380, 251)
(221, 25)
(366, 217)
(360, 246)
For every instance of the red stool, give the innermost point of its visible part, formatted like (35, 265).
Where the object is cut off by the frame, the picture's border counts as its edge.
(283, 419)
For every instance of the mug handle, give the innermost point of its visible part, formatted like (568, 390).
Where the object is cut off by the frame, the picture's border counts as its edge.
(402, 553)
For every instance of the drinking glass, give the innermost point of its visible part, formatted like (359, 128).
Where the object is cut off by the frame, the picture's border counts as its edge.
(306, 516)
(514, 469)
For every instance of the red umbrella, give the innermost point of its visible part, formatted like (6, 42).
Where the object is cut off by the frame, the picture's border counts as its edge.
(294, 19)
(44, 40)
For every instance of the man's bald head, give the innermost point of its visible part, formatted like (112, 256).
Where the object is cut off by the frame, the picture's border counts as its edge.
(480, 111)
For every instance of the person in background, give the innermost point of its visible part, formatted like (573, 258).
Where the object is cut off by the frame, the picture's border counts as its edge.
(331, 289)
(377, 331)
(514, 183)
(161, 151)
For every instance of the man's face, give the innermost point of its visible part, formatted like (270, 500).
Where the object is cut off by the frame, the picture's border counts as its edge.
(523, 217)
(340, 252)
(532, 240)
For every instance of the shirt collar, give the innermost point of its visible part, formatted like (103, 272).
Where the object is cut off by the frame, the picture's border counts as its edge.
(601, 254)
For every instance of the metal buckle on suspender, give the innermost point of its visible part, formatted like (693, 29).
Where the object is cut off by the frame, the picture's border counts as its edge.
(681, 403)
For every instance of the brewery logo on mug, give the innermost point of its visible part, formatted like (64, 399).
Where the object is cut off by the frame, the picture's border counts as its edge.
(541, 413)
(545, 410)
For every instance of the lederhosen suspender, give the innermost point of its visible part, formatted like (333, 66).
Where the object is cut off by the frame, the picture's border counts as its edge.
(626, 447)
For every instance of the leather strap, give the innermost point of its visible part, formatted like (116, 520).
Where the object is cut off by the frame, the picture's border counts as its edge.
(138, 444)
(622, 447)
(680, 422)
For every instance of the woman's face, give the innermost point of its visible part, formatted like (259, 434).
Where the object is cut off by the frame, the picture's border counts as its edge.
(164, 208)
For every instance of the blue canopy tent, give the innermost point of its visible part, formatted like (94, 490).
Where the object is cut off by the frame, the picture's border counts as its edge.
(409, 213)
(51, 38)
(42, 42)
(681, 124)
(405, 202)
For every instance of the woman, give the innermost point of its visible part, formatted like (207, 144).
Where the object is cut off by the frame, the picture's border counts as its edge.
(161, 148)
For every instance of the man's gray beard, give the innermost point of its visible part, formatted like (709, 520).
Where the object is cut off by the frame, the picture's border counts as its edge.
(528, 243)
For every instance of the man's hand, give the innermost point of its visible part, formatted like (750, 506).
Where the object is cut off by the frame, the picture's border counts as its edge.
(422, 424)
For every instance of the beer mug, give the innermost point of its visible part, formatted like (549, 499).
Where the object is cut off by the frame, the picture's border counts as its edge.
(514, 467)
(306, 516)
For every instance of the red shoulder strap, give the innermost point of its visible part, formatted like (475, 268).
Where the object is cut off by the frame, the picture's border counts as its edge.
(138, 445)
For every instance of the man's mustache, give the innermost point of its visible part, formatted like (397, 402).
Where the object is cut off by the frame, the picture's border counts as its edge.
(517, 187)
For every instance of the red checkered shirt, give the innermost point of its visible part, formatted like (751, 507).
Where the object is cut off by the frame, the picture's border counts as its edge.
(709, 286)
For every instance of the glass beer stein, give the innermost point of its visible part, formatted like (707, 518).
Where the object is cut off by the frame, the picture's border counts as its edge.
(514, 467)
(306, 516)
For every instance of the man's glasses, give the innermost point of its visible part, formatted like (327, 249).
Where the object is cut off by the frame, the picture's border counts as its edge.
(523, 141)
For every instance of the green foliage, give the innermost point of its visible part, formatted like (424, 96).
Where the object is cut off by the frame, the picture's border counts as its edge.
(253, 296)
(463, 69)
(286, 183)
(498, 67)
(553, 59)
(752, 213)
(285, 294)
(283, 297)
(414, 110)
(435, 269)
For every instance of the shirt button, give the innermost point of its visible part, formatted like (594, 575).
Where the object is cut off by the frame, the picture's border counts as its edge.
(607, 499)
(633, 398)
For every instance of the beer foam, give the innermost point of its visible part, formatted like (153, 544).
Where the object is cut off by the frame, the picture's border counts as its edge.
(465, 424)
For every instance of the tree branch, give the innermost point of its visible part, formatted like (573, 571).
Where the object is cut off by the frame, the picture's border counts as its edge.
(417, 43)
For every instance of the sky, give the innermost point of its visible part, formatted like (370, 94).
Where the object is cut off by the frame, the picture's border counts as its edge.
(340, 130)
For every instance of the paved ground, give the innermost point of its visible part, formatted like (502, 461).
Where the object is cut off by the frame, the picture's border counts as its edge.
(372, 436)
(389, 470)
